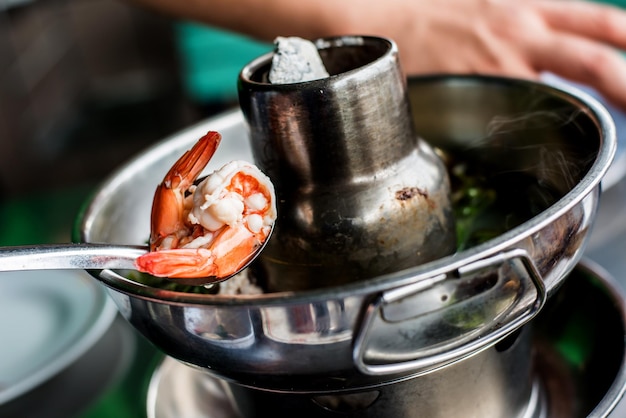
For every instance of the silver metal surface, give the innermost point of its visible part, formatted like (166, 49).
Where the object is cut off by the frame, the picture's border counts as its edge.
(562, 139)
(70, 256)
(499, 377)
(86, 256)
(459, 345)
(586, 380)
(358, 194)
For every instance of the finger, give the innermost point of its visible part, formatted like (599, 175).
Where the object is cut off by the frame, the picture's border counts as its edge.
(597, 21)
(585, 61)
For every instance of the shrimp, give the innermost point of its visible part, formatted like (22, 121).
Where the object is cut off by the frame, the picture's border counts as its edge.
(210, 228)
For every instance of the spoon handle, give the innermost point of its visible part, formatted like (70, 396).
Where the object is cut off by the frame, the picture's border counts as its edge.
(70, 256)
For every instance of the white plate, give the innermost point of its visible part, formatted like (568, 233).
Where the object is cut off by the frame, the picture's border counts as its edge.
(47, 320)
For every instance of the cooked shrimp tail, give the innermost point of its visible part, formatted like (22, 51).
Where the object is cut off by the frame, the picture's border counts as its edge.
(168, 206)
(212, 228)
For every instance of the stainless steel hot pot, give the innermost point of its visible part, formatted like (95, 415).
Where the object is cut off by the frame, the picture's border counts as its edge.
(398, 326)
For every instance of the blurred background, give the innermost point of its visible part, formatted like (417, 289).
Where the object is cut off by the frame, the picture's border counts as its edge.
(85, 84)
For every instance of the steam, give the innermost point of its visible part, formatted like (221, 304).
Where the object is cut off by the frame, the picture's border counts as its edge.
(545, 143)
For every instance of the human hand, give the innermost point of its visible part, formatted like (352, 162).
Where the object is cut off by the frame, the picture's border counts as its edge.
(576, 40)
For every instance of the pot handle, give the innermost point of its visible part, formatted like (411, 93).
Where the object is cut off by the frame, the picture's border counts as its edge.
(395, 317)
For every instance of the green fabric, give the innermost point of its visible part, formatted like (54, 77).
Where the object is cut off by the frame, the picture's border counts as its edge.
(620, 3)
(211, 60)
(43, 218)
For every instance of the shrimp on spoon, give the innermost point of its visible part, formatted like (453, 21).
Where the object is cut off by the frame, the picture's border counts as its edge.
(208, 230)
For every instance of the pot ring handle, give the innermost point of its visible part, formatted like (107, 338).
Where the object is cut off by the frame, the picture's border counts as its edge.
(442, 318)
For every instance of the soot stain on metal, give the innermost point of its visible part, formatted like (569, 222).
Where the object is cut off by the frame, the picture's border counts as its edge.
(410, 192)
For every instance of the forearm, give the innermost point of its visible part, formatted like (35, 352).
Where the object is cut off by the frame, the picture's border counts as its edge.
(576, 39)
(263, 19)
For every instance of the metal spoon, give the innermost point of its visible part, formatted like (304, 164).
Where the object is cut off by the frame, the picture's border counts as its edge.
(91, 256)
(70, 256)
